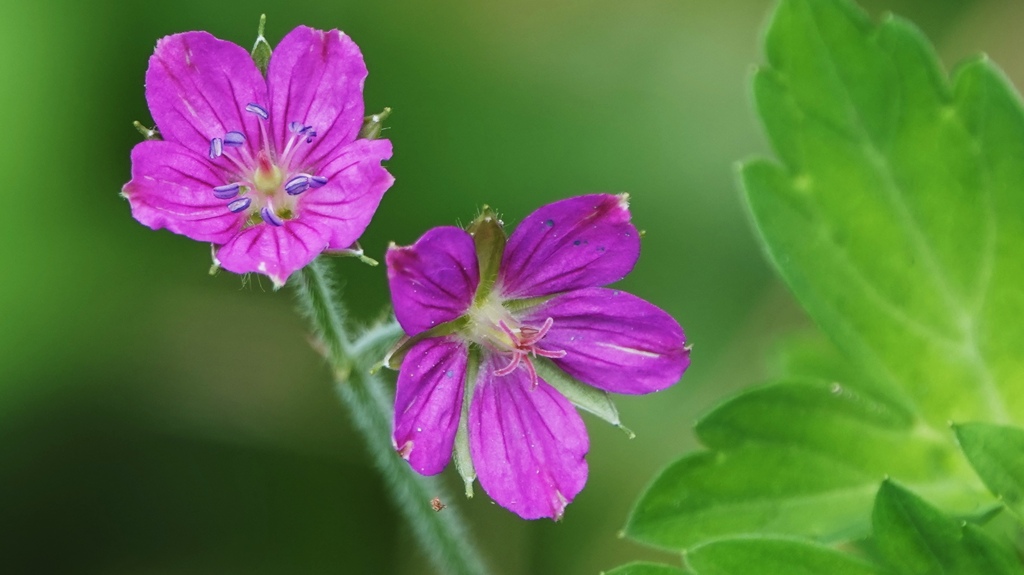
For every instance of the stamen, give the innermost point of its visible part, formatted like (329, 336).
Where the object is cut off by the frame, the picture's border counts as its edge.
(508, 331)
(531, 336)
(239, 205)
(270, 217)
(216, 148)
(533, 373)
(258, 110)
(524, 341)
(317, 181)
(298, 128)
(310, 135)
(234, 139)
(297, 185)
(512, 365)
(227, 191)
(552, 353)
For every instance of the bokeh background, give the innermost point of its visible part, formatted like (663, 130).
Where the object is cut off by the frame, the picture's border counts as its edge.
(154, 419)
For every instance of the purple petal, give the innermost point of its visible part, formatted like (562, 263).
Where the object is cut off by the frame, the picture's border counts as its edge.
(613, 340)
(428, 403)
(172, 188)
(198, 87)
(575, 243)
(356, 182)
(528, 445)
(433, 280)
(275, 251)
(316, 79)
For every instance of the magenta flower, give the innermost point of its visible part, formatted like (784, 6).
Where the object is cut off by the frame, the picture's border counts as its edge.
(268, 170)
(485, 316)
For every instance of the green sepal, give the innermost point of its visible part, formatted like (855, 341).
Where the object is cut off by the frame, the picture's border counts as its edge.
(583, 396)
(393, 359)
(489, 238)
(460, 454)
(517, 305)
(215, 265)
(372, 125)
(147, 133)
(261, 49)
(356, 251)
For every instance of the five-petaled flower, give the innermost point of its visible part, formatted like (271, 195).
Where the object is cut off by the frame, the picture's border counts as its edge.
(484, 315)
(269, 170)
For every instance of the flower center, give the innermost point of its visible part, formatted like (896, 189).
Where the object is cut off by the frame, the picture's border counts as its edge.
(271, 175)
(267, 177)
(492, 326)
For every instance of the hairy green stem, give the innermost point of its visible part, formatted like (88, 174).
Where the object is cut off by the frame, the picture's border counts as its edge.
(441, 534)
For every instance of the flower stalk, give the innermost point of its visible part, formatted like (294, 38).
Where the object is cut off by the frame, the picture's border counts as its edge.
(441, 534)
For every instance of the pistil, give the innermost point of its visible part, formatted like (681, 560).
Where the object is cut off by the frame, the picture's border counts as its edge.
(267, 177)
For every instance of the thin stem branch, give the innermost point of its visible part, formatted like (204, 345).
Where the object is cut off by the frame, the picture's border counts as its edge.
(441, 534)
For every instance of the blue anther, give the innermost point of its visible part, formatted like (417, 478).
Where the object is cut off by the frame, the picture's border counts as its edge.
(216, 148)
(297, 185)
(227, 191)
(258, 110)
(270, 217)
(234, 139)
(310, 135)
(239, 205)
(317, 181)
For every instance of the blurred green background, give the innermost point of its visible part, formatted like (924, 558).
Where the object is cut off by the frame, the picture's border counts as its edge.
(156, 420)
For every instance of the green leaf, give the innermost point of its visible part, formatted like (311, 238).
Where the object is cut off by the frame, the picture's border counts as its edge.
(646, 568)
(799, 458)
(916, 538)
(894, 215)
(997, 454)
(774, 556)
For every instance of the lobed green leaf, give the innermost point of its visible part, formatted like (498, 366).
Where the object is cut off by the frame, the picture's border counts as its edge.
(997, 454)
(894, 215)
(914, 537)
(774, 556)
(890, 213)
(646, 568)
(797, 458)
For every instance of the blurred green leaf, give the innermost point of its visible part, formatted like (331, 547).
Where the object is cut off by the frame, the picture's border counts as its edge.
(800, 457)
(916, 538)
(774, 556)
(894, 216)
(895, 212)
(997, 454)
(646, 568)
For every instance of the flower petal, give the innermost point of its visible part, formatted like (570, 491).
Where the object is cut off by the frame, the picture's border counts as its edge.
(355, 184)
(428, 403)
(528, 445)
(172, 188)
(613, 340)
(275, 251)
(198, 86)
(316, 78)
(433, 280)
(579, 242)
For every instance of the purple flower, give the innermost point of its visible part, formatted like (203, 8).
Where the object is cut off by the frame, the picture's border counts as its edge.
(486, 316)
(269, 170)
